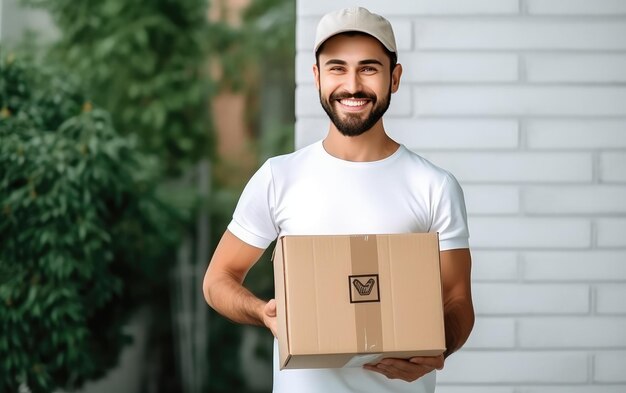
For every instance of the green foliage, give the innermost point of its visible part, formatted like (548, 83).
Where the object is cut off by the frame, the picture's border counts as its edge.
(270, 29)
(79, 216)
(144, 62)
(267, 37)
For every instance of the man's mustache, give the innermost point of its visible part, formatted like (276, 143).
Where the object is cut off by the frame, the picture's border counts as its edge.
(357, 95)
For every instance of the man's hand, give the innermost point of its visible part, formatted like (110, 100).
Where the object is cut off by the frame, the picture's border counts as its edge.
(269, 316)
(407, 370)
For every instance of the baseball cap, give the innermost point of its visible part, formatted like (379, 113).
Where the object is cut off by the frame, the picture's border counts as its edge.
(355, 19)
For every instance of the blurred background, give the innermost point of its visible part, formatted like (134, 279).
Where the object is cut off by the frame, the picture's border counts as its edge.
(127, 132)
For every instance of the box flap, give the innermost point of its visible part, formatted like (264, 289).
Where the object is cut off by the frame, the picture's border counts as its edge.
(281, 306)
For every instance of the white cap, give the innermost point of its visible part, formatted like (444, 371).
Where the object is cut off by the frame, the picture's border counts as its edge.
(355, 19)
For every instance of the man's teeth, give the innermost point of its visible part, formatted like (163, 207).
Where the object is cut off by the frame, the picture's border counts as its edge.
(353, 102)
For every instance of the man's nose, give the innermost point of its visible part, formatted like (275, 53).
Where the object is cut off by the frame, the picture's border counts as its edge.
(353, 82)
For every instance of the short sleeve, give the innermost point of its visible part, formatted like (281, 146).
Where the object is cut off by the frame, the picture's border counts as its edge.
(450, 216)
(253, 220)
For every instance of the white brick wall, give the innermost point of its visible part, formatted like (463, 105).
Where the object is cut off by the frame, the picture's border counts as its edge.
(576, 134)
(525, 102)
(613, 167)
(548, 68)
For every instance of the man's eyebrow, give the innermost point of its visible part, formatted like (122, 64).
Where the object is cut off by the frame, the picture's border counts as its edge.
(370, 61)
(362, 62)
(335, 61)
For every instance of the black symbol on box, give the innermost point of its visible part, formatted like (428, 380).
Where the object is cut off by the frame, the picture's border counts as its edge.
(364, 288)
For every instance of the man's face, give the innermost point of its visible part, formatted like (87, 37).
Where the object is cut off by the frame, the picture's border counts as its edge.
(354, 82)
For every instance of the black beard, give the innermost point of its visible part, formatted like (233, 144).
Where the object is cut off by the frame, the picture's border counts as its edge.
(353, 125)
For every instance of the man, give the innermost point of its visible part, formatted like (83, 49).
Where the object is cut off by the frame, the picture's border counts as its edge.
(357, 180)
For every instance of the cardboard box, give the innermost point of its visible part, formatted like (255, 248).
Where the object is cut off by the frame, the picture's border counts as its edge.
(344, 301)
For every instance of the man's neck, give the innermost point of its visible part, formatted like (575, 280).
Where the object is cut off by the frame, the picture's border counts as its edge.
(372, 145)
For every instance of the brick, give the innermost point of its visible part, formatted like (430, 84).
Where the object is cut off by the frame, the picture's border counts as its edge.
(613, 167)
(516, 167)
(610, 298)
(308, 104)
(580, 68)
(304, 67)
(310, 129)
(474, 389)
(454, 7)
(459, 67)
(491, 199)
(515, 367)
(576, 7)
(520, 33)
(416, 7)
(492, 333)
(320, 7)
(610, 367)
(444, 134)
(401, 103)
(611, 232)
(568, 266)
(515, 232)
(535, 299)
(520, 100)
(596, 199)
(576, 134)
(305, 33)
(403, 31)
(580, 332)
(494, 266)
(569, 389)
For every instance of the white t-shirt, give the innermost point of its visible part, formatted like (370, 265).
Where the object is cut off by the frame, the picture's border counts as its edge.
(310, 192)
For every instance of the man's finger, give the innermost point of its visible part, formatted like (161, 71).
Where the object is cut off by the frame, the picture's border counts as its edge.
(269, 316)
(435, 362)
(400, 369)
(401, 364)
(270, 308)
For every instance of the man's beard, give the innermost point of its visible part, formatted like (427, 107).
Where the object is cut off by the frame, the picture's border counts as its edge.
(352, 124)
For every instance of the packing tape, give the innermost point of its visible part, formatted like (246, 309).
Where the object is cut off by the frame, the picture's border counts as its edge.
(364, 261)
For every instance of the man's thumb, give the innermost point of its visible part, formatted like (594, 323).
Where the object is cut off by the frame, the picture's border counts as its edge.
(270, 308)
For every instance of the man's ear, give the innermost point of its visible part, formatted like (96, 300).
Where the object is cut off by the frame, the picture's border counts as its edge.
(316, 76)
(395, 78)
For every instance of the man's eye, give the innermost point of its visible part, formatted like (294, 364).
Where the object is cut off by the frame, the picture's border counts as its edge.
(368, 69)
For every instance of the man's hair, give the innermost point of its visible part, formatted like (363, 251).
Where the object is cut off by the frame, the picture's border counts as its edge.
(393, 57)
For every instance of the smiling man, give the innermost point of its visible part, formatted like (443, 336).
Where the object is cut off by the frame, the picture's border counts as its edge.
(356, 180)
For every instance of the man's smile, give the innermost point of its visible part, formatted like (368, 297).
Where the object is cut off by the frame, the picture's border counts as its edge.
(354, 103)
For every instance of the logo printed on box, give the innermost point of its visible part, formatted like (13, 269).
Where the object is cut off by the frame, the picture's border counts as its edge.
(364, 288)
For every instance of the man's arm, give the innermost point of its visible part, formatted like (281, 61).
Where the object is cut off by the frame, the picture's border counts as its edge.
(223, 288)
(458, 314)
(458, 308)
